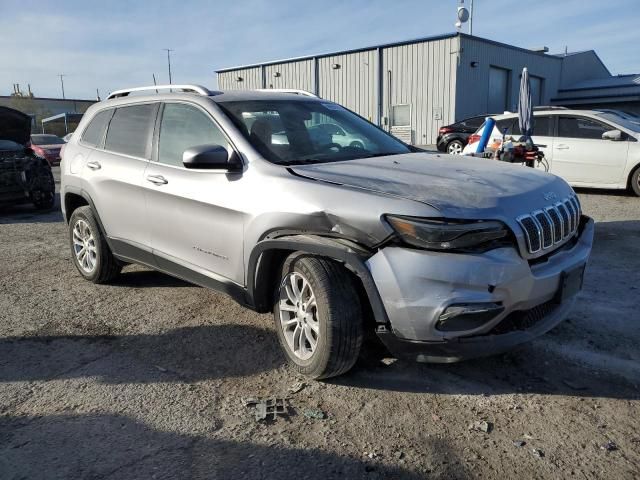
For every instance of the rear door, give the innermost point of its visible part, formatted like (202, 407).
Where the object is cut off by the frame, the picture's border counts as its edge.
(580, 155)
(114, 174)
(193, 213)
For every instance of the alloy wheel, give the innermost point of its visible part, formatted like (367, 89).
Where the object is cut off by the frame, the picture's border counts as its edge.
(454, 148)
(84, 246)
(299, 315)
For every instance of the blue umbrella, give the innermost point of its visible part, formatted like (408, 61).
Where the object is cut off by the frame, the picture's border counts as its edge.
(525, 108)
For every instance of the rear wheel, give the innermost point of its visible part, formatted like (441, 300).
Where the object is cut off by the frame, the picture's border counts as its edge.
(318, 316)
(455, 147)
(89, 249)
(635, 182)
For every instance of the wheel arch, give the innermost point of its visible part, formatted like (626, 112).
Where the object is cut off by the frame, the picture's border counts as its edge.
(73, 201)
(633, 170)
(268, 256)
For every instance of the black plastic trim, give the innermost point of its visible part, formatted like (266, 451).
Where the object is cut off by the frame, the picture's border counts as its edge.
(352, 257)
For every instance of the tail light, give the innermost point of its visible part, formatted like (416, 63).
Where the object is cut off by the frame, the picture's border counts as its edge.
(473, 138)
(444, 130)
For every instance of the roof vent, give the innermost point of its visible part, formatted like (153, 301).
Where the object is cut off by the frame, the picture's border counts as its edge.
(540, 49)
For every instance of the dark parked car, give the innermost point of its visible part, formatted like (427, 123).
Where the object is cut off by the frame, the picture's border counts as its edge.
(24, 177)
(47, 146)
(453, 138)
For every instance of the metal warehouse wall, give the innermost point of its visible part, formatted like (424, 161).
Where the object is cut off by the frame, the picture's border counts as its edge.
(580, 66)
(251, 79)
(424, 76)
(473, 82)
(298, 75)
(421, 74)
(353, 83)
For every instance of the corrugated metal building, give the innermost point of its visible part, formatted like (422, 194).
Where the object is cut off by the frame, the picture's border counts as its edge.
(414, 87)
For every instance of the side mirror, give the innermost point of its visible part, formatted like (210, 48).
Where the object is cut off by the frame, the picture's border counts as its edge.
(614, 135)
(210, 157)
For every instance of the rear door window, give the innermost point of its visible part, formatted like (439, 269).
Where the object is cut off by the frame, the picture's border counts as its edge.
(130, 130)
(94, 133)
(580, 127)
(542, 126)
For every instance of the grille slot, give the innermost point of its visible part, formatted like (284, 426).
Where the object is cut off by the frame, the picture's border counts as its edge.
(545, 228)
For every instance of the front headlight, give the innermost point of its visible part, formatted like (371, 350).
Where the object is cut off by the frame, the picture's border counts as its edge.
(436, 234)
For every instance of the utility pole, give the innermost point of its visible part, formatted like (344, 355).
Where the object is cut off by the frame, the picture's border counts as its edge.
(471, 18)
(61, 75)
(169, 50)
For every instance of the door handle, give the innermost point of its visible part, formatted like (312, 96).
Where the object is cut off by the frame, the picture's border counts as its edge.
(94, 165)
(562, 147)
(157, 179)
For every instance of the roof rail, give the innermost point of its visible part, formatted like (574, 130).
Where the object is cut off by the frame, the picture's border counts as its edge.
(199, 89)
(548, 107)
(289, 90)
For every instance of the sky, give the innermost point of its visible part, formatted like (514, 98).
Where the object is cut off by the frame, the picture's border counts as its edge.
(116, 44)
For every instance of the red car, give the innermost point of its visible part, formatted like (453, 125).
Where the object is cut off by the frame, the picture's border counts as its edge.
(48, 147)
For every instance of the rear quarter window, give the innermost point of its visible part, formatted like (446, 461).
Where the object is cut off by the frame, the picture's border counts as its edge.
(94, 133)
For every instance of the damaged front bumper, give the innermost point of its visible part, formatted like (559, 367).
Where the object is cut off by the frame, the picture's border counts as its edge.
(507, 300)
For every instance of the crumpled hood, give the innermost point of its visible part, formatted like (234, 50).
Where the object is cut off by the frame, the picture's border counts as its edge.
(458, 186)
(14, 125)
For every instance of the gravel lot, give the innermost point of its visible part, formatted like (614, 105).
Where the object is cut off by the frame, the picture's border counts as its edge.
(145, 378)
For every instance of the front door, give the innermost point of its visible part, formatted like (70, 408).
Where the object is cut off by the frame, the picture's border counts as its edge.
(193, 214)
(581, 156)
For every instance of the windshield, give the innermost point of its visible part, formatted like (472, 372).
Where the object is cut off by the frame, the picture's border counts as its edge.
(623, 122)
(293, 132)
(46, 140)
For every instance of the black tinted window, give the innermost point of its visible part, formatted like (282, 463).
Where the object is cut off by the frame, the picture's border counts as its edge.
(578, 127)
(474, 122)
(129, 130)
(541, 126)
(94, 132)
(185, 126)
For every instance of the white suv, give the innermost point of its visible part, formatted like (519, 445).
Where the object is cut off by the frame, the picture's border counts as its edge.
(587, 148)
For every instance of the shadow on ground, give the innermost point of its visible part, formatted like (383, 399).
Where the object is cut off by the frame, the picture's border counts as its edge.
(27, 213)
(113, 446)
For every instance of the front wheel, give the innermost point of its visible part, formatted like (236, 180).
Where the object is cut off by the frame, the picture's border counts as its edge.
(318, 316)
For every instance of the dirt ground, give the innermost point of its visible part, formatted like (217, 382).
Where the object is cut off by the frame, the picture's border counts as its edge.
(146, 378)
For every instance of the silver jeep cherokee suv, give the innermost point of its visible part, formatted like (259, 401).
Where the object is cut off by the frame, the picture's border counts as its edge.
(444, 257)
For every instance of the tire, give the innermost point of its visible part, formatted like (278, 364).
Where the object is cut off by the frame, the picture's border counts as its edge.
(335, 322)
(455, 147)
(42, 188)
(634, 182)
(98, 265)
(357, 144)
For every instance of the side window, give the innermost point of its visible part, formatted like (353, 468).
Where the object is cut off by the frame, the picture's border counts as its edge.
(130, 130)
(541, 126)
(94, 133)
(579, 127)
(185, 126)
(511, 125)
(474, 122)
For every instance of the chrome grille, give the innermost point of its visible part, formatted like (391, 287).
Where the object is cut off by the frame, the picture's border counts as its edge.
(545, 228)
